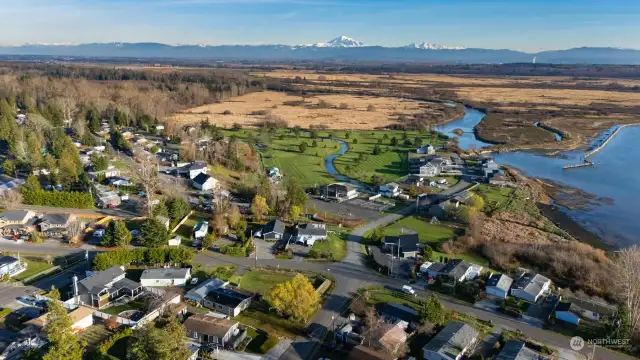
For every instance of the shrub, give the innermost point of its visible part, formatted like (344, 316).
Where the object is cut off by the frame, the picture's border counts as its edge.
(107, 344)
(4, 312)
(268, 344)
(371, 108)
(67, 199)
(227, 112)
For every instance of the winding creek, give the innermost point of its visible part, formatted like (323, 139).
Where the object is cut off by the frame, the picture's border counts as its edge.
(616, 177)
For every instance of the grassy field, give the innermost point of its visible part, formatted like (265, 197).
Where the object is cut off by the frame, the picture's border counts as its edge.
(335, 244)
(428, 233)
(494, 196)
(338, 111)
(132, 305)
(261, 281)
(186, 229)
(33, 267)
(282, 150)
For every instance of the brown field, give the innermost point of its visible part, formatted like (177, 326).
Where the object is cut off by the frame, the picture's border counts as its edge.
(355, 116)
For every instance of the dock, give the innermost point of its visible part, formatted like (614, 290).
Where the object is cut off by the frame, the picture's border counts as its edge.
(586, 163)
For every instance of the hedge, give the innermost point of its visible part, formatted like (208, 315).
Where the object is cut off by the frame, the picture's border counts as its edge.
(107, 344)
(4, 312)
(150, 256)
(66, 199)
(267, 345)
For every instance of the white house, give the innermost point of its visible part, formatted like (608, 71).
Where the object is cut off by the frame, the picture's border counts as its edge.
(429, 170)
(11, 266)
(427, 149)
(530, 287)
(451, 343)
(165, 277)
(390, 190)
(81, 318)
(200, 229)
(197, 168)
(340, 191)
(575, 310)
(204, 182)
(175, 241)
(498, 285)
(308, 234)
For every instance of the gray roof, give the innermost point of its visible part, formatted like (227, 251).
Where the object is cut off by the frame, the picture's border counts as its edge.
(197, 166)
(500, 281)
(200, 292)
(516, 350)
(398, 311)
(171, 273)
(14, 215)
(126, 283)
(408, 242)
(455, 268)
(4, 259)
(100, 279)
(312, 229)
(531, 283)
(344, 185)
(436, 267)
(452, 340)
(56, 219)
(276, 226)
(577, 307)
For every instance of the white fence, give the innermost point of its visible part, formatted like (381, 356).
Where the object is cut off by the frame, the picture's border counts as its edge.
(147, 318)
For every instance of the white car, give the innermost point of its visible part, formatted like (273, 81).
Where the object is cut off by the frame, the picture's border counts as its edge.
(408, 290)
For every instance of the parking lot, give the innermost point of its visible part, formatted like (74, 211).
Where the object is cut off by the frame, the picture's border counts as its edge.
(377, 206)
(345, 209)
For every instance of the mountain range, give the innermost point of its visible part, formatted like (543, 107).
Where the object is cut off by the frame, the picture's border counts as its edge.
(342, 48)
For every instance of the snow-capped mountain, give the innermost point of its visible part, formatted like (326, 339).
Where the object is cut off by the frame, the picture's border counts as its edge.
(339, 42)
(428, 46)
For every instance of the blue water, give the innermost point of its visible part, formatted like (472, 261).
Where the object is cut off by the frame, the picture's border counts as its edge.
(331, 169)
(616, 177)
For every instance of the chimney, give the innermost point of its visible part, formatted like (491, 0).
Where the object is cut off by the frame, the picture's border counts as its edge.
(74, 280)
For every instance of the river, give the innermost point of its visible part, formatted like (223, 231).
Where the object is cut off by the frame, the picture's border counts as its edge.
(615, 177)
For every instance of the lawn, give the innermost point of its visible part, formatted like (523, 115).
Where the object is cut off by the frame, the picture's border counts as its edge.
(258, 340)
(132, 305)
(428, 233)
(258, 316)
(94, 335)
(261, 281)
(335, 245)
(186, 229)
(33, 267)
(494, 196)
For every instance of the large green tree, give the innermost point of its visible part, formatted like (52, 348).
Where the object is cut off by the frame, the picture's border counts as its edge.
(178, 207)
(159, 343)
(153, 233)
(63, 344)
(117, 234)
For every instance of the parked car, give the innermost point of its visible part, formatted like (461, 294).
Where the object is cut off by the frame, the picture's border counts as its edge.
(409, 290)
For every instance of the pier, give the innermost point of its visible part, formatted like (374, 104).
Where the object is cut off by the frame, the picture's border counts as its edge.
(587, 163)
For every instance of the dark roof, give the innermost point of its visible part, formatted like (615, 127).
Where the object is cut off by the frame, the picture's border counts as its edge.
(13, 215)
(437, 267)
(531, 283)
(127, 284)
(164, 273)
(4, 259)
(500, 281)
(209, 325)
(451, 340)
(198, 166)
(201, 178)
(344, 186)
(362, 352)
(516, 350)
(455, 268)
(593, 306)
(276, 226)
(397, 311)
(226, 297)
(408, 242)
(56, 219)
(100, 279)
(312, 229)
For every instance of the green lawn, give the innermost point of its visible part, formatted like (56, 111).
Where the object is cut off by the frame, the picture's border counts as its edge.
(335, 244)
(132, 305)
(186, 229)
(33, 267)
(259, 338)
(428, 233)
(494, 196)
(261, 281)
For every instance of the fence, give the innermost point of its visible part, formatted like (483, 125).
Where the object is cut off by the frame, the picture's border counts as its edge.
(182, 221)
(144, 320)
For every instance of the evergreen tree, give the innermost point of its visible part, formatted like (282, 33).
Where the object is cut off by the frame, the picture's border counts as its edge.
(153, 233)
(63, 344)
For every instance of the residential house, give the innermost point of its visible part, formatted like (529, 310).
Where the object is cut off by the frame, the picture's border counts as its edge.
(11, 266)
(200, 230)
(103, 174)
(199, 293)
(426, 149)
(103, 288)
(530, 287)
(433, 269)
(175, 241)
(498, 285)
(106, 199)
(390, 190)
(119, 181)
(204, 182)
(451, 343)
(415, 179)
(516, 350)
(196, 169)
(274, 174)
(213, 331)
(393, 312)
(273, 230)
(457, 270)
(340, 191)
(362, 352)
(573, 311)
(429, 169)
(404, 246)
(489, 168)
(81, 318)
(163, 220)
(226, 301)
(17, 222)
(393, 336)
(55, 225)
(165, 277)
(499, 179)
(308, 234)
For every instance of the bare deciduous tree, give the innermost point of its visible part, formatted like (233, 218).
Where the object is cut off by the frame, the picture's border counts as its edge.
(74, 231)
(10, 199)
(627, 280)
(146, 173)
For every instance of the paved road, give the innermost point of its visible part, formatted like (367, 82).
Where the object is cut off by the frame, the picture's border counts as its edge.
(89, 212)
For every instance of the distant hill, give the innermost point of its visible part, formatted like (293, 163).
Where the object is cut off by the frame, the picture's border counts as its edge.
(341, 48)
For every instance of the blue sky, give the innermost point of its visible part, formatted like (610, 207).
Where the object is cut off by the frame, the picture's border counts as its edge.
(529, 25)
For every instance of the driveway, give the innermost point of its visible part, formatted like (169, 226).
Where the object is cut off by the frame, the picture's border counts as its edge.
(343, 209)
(493, 305)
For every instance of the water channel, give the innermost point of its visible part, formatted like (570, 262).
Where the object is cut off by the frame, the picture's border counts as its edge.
(616, 177)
